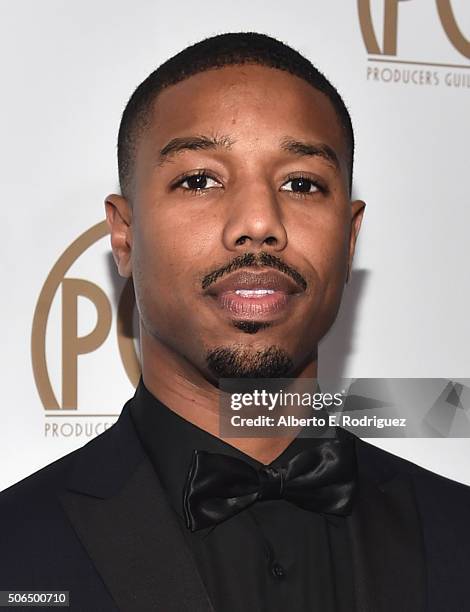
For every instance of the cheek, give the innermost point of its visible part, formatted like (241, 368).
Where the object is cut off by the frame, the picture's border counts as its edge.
(167, 252)
(323, 240)
(323, 243)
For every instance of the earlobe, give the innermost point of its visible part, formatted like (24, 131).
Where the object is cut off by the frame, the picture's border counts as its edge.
(119, 220)
(357, 213)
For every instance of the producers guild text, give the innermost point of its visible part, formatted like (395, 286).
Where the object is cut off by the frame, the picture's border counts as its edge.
(74, 428)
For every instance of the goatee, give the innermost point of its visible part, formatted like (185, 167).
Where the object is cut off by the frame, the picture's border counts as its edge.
(245, 362)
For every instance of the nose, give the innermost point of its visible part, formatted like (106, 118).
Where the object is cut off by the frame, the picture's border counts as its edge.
(255, 220)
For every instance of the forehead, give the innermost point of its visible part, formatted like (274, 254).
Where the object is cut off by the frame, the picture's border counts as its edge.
(252, 103)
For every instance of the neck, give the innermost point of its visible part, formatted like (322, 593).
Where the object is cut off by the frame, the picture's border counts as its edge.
(183, 389)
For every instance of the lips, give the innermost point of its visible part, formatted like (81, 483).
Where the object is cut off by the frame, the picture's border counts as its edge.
(254, 295)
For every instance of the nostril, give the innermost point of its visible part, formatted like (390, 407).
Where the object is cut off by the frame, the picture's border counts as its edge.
(241, 240)
(270, 240)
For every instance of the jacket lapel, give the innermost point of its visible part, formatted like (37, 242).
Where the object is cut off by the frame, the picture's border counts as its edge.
(387, 541)
(119, 511)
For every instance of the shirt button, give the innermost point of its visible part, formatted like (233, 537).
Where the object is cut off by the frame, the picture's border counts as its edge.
(277, 570)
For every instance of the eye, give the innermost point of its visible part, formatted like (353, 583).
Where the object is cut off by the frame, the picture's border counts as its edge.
(199, 181)
(300, 185)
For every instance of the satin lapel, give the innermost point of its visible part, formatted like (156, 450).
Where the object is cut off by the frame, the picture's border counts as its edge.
(387, 547)
(118, 509)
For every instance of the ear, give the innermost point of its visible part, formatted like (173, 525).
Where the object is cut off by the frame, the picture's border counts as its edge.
(357, 212)
(119, 220)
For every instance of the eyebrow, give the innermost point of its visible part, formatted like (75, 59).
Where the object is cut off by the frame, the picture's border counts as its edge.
(193, 143)
(290, 145)
(301, 148)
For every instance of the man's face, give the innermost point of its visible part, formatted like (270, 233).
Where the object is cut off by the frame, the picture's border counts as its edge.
(240, 248)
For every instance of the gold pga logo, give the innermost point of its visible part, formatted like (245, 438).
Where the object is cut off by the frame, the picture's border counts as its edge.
(73, 345)
(389, 44)
(424, 73)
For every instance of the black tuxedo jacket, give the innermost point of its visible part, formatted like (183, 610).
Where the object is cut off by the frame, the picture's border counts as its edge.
(97, 524)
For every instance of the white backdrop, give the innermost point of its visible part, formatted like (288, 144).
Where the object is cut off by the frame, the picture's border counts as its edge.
(67, 70)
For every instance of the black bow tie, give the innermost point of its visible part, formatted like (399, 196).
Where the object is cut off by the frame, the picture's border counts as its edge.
(321, 479)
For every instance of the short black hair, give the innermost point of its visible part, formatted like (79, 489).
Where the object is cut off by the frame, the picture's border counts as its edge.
(234, 48)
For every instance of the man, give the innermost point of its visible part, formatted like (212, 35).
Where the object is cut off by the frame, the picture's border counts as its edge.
(236, 224)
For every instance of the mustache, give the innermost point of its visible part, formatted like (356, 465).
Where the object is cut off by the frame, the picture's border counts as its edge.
(253, 260)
